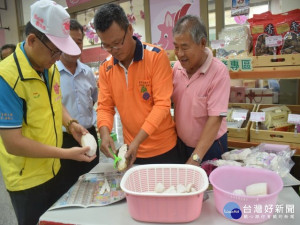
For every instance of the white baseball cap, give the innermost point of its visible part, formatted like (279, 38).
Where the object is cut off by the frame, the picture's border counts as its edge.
(54, 21)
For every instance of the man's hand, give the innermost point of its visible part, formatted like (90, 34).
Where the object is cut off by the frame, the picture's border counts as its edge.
(131, 153)
(77, 131)
(107, 142)
(78, 154)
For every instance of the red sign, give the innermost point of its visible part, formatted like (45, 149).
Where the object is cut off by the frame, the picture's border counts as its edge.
(71, 3)
(95, 54)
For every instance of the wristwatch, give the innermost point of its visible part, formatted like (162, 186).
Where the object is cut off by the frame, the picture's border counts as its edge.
(196, 158)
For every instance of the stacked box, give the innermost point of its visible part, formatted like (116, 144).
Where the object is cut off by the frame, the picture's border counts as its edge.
(241, 134)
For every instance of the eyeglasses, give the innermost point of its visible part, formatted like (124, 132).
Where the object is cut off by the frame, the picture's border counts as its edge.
(116, 47)
(54, 54)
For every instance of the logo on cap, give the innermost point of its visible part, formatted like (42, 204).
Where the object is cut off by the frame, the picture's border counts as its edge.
(66, 26)
(39, 22)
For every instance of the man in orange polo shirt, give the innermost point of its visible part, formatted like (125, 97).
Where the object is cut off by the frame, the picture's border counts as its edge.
(137, 80)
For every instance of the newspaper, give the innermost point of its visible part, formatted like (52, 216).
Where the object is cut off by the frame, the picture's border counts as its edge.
(88, 191)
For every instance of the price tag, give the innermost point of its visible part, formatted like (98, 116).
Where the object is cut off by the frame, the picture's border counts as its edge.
(294, 118)
(239, 115)
(216, 44)
(273, 41)
(257, 116)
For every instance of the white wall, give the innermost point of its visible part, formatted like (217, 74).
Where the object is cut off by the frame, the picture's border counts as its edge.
(8, 18)
(26, 7)
(279, 6)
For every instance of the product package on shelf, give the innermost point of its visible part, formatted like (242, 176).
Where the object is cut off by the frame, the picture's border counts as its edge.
(276, 118)
(259, 95)
(239, 129)
(237, 95)
(250, 83)
(237, 42)
(267, 24)
(261, 26)
(233, 122)
(280, 131)
(291, 32)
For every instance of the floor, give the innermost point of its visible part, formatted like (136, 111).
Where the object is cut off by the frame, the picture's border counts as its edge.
(7, 214)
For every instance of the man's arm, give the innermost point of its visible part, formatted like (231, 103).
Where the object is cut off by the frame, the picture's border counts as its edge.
(217, 104)
(72, 125)
(106, 142)
(207, 138)
(162, 88)
(134, 146)
(105, 113)
(16, 144)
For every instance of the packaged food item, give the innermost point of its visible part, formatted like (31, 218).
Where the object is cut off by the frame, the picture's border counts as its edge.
(277, 158)
(276, 117)
(237, 42)
(262, 26)
(237, 94)
(231, 122)
(267, 24)
(291, 43)
(221, 162)
(237, 154)
(290, 31)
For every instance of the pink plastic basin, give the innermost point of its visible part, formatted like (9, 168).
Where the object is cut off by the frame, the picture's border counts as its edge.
(144, 204)
(244, 209)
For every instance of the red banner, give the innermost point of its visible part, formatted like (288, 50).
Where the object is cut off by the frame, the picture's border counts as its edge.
(95, 54)
(71, 3)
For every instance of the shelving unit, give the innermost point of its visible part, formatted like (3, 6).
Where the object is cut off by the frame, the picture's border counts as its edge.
(286, 67)
(288, 72)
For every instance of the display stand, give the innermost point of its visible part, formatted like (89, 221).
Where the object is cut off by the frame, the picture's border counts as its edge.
(269, 67)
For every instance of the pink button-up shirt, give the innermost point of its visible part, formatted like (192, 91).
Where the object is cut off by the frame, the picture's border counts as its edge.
(205, 94)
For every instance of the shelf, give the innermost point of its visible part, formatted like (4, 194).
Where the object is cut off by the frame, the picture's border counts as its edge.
(284, 72)
(244, 144)
(264, 67)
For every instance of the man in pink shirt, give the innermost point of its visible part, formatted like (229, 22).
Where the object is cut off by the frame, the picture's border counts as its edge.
(201, 94)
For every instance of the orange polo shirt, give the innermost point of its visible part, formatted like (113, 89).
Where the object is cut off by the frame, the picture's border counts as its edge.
(142, 95)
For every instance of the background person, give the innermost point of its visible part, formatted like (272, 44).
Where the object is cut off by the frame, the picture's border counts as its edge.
(32, 114)
(201, 93)
(79, 93)
(6, 50)
(137, 79)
